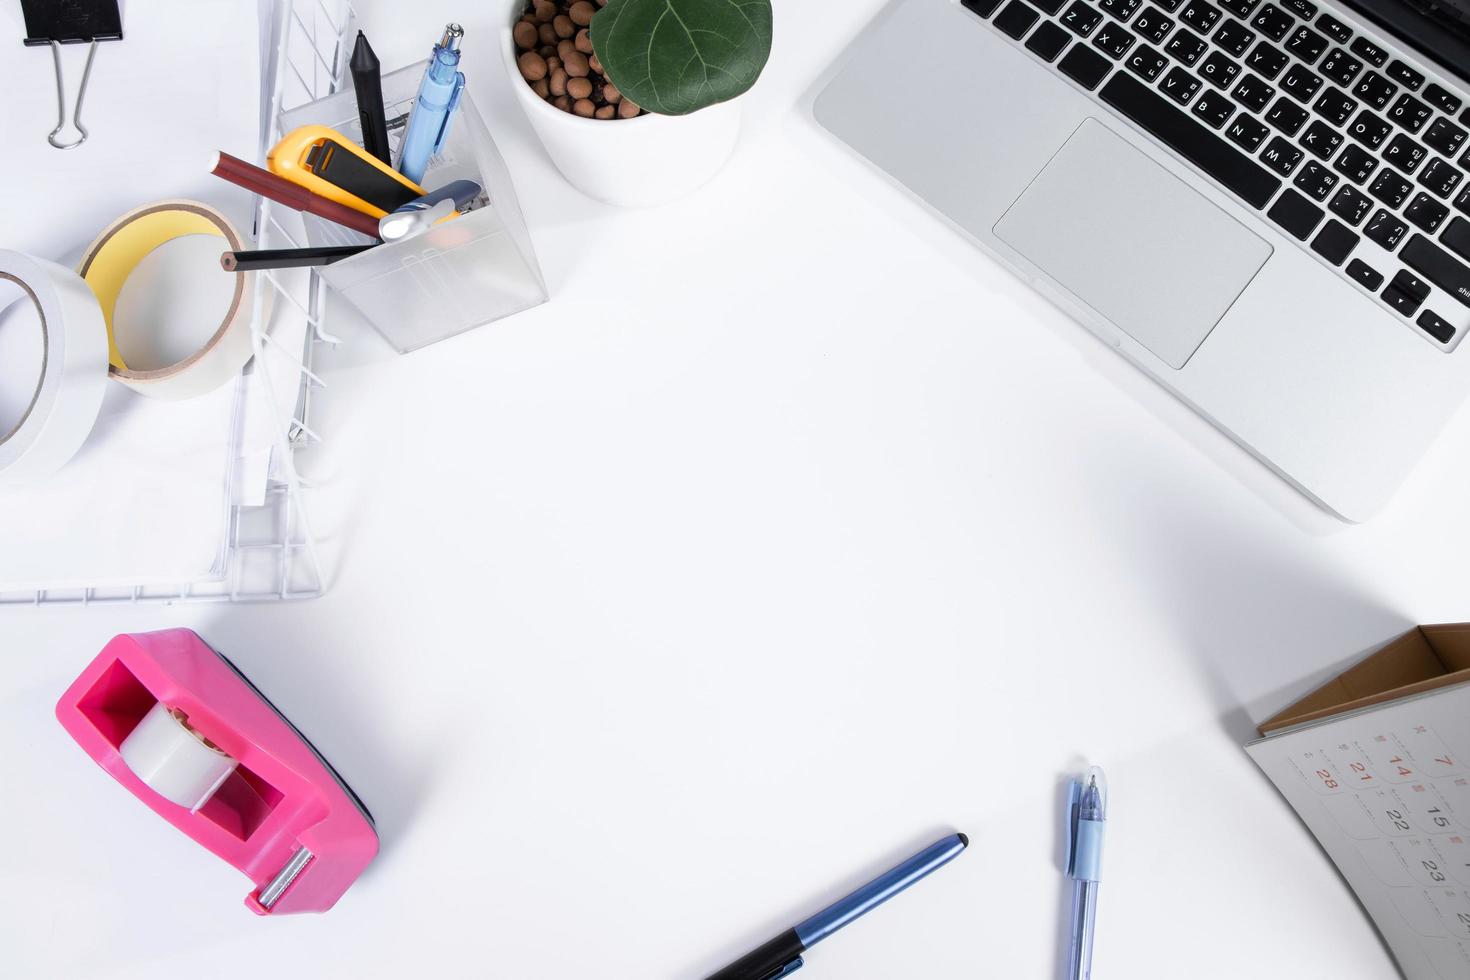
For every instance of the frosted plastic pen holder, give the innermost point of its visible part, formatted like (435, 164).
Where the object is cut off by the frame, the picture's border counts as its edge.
(460, 274)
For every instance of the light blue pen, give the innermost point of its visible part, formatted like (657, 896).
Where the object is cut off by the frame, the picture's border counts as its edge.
(1087, 816)
(438, 97)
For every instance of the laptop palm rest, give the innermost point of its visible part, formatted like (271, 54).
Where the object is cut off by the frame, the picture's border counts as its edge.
(1133, 242)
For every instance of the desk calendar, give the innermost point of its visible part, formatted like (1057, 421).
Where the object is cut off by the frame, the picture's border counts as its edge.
(1384, 784)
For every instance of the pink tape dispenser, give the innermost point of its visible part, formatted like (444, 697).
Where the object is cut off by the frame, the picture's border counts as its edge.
(186, 733)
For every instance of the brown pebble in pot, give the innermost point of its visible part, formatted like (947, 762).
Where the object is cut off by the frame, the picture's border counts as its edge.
(610, 93)
(627, 109)
(552, 64)
(581, 13)
(605, 112)
(562, 47)
(546, 33)
(579, 88)
(563, 103)
(583, 41)
(584, 107)
(594, 64)
(532, 65)
(545, 11)
(541, 88)
(563, 26)
(558, 82)
(575, 63)
(525, 35)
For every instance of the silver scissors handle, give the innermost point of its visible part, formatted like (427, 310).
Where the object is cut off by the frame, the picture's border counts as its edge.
(76, 112)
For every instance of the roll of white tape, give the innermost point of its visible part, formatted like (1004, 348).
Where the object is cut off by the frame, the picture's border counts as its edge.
(111, 259)
(174, 760)
(73, 369)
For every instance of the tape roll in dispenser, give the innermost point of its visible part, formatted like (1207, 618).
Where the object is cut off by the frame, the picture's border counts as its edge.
(183, 730)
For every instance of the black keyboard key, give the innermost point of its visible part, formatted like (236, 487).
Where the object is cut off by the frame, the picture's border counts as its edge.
(1405, 303)
(1169, 5)
(1287, 116)
(1112, 40)
(1196, 144)
(1219, 70)
(1234, 37)
(1335, 242)
(1146, 63)
(1445, 137)
(1253, 93)
(1302, 8)
(1246, 132)
(1306, 44)
(1369, 130)
(1368, 51)
(1120, 9)
(1390, 188)
(1404, 75)
(1445, 100)
(1300, 83)
(1385, 229)
(1186, 46)
(1404, 153)
(1084, 66)
(1340, 66)
(1200, 15)
(1440, 177)
(1462, 203)
(982, 7)
(1315, 180)
(1272, 22)
(1081, 19)
(1456, 237)
(1240, 8)
(1335, 107)
(1266, 61)
(1364, 274)
(1180, 85)
(1050, 7)
(1335, 28)
(1047, 41)
(1016, 19)
(1321, 139)
(1153, 25)
(1436, 326)
(1439, 267)
(1355, 163)
(1296, 214)
(1214, 109)
(1350, 205)
(1281, 156)
(1410, 113)
(1375, 90)
(1425, 213)
(1410, 283)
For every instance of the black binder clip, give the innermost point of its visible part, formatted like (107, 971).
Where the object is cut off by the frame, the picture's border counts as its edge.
(72, 22)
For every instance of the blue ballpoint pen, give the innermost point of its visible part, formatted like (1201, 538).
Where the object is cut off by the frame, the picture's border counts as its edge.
(1087, 816)
(438, 97)
(782, 956)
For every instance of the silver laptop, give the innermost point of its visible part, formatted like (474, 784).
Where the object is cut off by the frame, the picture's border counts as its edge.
(1261, 203)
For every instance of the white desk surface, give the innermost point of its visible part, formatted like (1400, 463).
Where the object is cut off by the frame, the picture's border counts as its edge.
(790, 535)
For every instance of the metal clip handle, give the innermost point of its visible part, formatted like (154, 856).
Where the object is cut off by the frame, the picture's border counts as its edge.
(76, 112)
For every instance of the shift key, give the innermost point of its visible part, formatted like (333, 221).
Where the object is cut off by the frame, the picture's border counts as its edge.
(1438, 266)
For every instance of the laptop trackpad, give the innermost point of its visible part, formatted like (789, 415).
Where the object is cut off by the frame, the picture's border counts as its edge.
(1133, 242)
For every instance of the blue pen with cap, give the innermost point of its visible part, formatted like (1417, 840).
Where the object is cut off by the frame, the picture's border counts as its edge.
(434, 107)
(1087, 818)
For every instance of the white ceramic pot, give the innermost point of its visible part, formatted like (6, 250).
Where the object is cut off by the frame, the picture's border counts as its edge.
(638, 162)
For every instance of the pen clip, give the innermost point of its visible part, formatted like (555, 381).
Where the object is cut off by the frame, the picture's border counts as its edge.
(787, 969)
(1074, 804)
(449, 112)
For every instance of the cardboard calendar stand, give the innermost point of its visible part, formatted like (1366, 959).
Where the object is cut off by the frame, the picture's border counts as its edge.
(1424, 659)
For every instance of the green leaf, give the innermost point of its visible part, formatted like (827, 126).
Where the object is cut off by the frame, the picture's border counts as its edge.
(675, 56)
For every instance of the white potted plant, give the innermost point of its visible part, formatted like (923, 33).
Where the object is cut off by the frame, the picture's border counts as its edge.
(634, 100)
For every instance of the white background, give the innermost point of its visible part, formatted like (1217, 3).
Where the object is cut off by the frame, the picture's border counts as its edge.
(791, 535)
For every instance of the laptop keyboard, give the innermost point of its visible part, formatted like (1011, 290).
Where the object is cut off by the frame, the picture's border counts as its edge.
(1353, 152)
